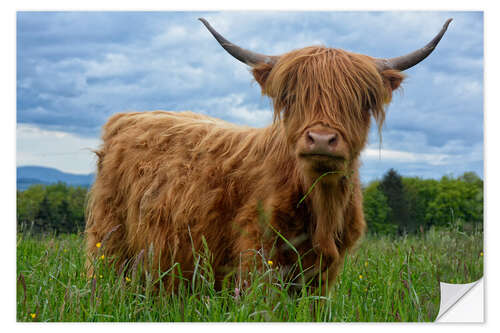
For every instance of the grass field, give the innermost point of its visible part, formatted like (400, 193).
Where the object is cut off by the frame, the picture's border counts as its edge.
(387, 279)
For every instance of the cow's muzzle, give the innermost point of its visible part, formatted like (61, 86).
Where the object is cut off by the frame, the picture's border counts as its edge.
(323, 143)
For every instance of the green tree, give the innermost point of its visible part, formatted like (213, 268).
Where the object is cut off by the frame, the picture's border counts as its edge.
(28, 203)
(56, 207)
(458, 201)
(377, 210)
(65, 223)
(471, 178)
(43, 216)
(77, 202)
(393, 189)
(419, 193)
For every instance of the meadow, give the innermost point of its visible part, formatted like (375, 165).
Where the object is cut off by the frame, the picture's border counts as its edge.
(388, 279)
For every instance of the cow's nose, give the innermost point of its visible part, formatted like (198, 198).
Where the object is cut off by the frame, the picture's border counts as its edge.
(322, 142)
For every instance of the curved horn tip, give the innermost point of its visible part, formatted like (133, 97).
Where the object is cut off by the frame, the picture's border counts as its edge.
(446, 24)
(248, 57)
(203, 20)
(411, 59)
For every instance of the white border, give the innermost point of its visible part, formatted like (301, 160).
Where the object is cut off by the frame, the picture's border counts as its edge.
(492, 167)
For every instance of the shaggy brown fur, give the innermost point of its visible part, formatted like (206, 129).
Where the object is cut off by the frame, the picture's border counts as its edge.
(170, 179)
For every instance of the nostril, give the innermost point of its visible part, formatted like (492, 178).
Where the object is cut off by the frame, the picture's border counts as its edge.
(332, 139)
(309, 137)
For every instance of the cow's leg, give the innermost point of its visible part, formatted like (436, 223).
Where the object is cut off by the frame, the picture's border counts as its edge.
(248, 254)
(354, 221)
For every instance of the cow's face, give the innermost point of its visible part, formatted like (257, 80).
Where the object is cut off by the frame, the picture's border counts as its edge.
(324, 98)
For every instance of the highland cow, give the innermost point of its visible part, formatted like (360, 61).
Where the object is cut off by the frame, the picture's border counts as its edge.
(175, 182)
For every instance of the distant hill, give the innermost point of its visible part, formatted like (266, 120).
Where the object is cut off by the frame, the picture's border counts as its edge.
(30, 175)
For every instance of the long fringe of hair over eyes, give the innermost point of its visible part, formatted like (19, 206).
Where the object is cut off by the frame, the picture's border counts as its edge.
(340, 87)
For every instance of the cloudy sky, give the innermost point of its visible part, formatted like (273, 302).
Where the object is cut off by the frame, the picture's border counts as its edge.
(76, 69)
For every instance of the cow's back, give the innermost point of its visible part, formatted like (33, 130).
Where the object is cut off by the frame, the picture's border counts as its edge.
(163, 180)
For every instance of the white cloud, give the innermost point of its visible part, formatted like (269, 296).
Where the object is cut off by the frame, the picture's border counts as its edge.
(112, 64)
(462, 86)
(234, 108)
(467, 63)
(258, 118)
(405, 157)
(173, 35)
(64, 151)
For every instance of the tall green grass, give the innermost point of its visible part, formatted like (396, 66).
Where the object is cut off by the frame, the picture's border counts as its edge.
(386, 279)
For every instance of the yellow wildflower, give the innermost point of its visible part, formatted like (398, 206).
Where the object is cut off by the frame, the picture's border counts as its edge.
(270, 262)
(127, 279)
(481, 254)
(98, 245)
(33, 315)
(360, 277)
(101, 257)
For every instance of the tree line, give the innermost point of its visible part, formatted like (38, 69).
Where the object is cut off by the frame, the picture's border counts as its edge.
(393, 205)
(55, 208)
(399, 205)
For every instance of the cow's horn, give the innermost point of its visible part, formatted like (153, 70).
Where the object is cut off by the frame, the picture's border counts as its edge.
(411, 59)
(248, 57)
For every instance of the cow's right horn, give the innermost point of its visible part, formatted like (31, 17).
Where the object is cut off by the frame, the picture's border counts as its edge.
(411, 59)
(248, 57)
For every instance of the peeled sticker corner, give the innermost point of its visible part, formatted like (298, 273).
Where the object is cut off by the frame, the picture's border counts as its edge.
(461, 303)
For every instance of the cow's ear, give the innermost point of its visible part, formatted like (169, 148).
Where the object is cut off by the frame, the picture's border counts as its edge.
(392, 78)
(260, 73)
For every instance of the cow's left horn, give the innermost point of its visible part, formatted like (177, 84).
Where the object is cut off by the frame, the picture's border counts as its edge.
(248, 57)
(411, 59)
